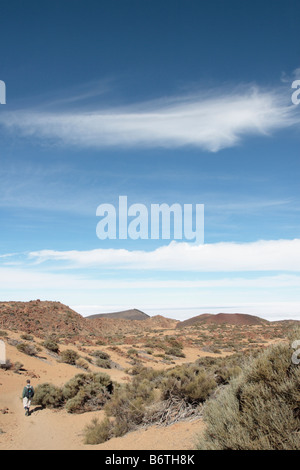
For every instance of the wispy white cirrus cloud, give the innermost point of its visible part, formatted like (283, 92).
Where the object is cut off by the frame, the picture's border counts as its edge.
(263, 255)
(289, 78)
(211, 121)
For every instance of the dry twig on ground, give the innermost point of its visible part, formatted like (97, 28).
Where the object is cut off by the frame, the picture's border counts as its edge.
(171, 411)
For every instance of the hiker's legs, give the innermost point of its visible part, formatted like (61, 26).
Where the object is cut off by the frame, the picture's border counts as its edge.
(26, 405)
(25, 400)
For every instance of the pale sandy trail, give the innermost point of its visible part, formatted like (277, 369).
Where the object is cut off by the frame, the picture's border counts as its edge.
(180, 436)
(58, 430)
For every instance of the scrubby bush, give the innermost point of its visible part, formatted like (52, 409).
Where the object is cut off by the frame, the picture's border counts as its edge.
(148, 396)
(87, 392)
(48, 396)
(28, 349)
(7, 365)
(170, 345)
(258, 410)
(69, 357)
(82, 364)
(101, 355)
(51, 346)
(147, 373)
(132, 352)
(129, 403)
(103, 363)
(188, 382)
(225, 374)
(73, 386)
(27, 337)
(174, 351)
(97, 433)
(223, 368)
(17, 367)
(84, 392)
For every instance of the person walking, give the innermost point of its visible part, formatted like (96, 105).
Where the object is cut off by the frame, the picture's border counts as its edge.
(28, 394)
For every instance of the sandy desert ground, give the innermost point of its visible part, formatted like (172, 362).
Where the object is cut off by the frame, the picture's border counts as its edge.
(58, 430)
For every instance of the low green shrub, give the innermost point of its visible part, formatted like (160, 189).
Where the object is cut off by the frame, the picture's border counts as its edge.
(174, 351)
(258, 410)
(129, 403)
(97, 433)
(103, 363)
(87, 392)
(101, 355)
(146, 397)
(51, 346)
(7, 365)
(84, 392)
(27, 337)
(82, 364)
(48, 396)
(27, 348)
(188, 382)
(69, 357)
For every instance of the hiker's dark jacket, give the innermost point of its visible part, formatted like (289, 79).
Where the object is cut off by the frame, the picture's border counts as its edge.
(25, 392)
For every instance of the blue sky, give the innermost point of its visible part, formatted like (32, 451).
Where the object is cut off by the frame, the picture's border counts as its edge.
(183, 102)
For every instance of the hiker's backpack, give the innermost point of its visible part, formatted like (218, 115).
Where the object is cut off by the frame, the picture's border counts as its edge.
(29, 392)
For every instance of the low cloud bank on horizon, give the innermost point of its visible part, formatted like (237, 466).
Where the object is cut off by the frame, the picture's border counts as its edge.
(262, 255)
(266, 269)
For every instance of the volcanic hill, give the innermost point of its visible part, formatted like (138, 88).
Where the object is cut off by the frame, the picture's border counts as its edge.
(241, 319)
(45, 318)
(42, 317)
(133, 314)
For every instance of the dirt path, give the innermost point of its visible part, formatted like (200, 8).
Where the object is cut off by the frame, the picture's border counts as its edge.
(58, 430)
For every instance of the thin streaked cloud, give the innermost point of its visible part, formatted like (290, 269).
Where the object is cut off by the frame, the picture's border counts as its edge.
(211, 121)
